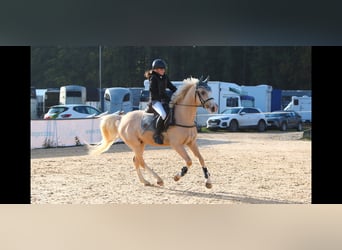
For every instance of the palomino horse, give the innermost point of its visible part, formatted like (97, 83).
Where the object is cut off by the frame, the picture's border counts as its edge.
(132, 128)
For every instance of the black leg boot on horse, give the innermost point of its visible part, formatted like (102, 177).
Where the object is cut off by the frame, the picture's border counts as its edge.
(158, 137)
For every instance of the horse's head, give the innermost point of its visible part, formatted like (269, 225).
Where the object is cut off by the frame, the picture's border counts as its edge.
(203, 83)
(204, 93)
(195, 92)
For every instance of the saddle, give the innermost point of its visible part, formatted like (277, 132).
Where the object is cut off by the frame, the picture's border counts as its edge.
(150, 117)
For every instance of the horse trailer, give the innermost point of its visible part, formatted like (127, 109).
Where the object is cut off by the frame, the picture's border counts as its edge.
(302, 105)
(72, 94)
(51, 98)
(136, 93)
(34, 104)
(118, 99)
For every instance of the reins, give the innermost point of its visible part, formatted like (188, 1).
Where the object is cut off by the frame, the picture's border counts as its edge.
(200, 98)
(190, 105)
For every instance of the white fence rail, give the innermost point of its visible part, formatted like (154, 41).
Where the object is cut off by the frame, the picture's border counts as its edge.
(62, 133)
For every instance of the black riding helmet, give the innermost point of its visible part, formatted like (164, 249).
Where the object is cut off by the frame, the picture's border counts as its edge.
(158, 63)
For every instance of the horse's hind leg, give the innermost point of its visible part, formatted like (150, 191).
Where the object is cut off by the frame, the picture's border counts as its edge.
(139, 162)
(137, 168)
(160, 182)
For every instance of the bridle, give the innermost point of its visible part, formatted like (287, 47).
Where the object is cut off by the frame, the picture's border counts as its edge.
(200, 97)
(203, 102)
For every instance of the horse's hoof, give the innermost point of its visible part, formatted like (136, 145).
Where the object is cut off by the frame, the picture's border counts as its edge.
(208, 185)
(160, 183)
(147, 184)
(176, 178)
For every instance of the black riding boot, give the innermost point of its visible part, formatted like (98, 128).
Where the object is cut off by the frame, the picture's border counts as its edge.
(158, 137)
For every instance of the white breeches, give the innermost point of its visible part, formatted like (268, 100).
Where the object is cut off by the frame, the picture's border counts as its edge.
(158, 107)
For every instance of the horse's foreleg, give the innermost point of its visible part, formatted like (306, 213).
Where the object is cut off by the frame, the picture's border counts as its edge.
(194, 148)
(182, 152)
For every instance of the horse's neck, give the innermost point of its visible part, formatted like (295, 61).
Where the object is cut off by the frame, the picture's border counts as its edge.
(185, 114)
(185, 111)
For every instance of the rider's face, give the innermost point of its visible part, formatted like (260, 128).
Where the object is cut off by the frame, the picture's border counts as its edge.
(160, 71)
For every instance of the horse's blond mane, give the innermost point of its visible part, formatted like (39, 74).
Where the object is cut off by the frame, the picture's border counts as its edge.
(182, 90)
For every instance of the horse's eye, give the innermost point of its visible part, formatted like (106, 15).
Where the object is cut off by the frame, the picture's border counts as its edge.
(202, 92)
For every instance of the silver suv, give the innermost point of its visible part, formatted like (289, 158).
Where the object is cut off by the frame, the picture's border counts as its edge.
(284, 120)
(238, 118)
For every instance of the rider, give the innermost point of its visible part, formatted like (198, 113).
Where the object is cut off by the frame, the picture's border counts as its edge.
(159, 82)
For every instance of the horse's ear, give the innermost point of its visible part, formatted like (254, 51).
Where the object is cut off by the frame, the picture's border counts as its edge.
(200, 79)
(206, 79)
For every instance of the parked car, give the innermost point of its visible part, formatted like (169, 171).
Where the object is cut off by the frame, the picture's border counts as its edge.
(237, 118)
(284, 120)
(70, 111)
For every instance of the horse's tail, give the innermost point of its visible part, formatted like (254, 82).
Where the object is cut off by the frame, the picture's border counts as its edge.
(109, 131)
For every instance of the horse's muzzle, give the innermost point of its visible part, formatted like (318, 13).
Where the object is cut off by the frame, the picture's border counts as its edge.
(214, 108)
